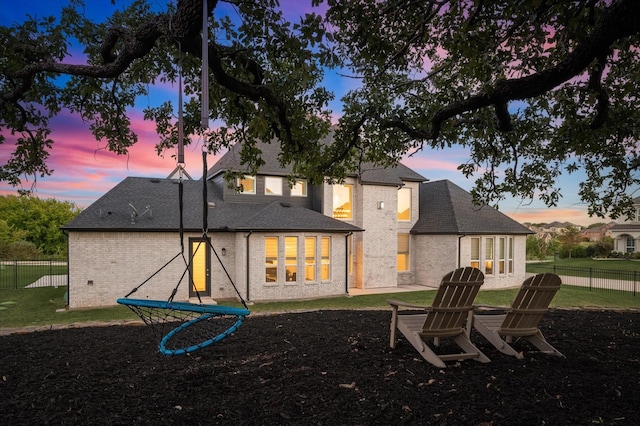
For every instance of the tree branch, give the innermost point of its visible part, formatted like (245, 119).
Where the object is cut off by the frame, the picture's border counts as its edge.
(619, 21)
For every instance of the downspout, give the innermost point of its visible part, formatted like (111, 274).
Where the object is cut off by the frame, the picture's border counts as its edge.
(460, 237)
(66, 234)
(248, 286)
(346, 263)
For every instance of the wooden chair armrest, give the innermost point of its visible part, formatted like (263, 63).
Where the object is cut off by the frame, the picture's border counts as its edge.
(397, 303)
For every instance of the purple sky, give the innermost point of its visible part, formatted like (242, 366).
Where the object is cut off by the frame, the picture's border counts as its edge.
(83, 171)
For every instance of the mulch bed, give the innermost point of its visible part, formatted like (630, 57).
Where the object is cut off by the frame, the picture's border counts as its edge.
(323, 367)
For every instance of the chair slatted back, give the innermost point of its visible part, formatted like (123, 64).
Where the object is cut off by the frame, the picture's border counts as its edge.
(530, 305)
(452, 302)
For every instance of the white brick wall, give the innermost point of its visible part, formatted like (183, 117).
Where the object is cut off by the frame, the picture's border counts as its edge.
(436, 255)
(260, 290)
(104, 266)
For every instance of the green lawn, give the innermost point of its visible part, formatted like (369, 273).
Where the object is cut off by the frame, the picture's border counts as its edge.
(12, 276)
(46, 306)
(612, 264)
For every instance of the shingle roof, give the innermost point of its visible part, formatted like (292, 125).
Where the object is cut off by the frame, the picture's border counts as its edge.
(369, 174)
(626, 227)
(160, 198)
(445, 208)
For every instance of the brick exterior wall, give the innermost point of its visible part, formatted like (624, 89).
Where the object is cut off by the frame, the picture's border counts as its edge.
(105, 266)
(260, 290)
(436, 255)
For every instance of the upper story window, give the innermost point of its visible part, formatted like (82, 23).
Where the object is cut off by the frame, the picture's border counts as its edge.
(299, 189)
(637, 215)
(343, 201)
(272, 185)
(404, 204)
(247, 184)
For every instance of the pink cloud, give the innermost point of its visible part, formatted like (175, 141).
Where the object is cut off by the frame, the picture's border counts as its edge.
(547, 215)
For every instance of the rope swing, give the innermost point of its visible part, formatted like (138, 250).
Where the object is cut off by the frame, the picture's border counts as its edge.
(184, 327)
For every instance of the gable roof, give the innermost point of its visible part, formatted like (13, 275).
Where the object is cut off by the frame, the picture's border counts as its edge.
(368, 174)
(445, 208)
(160, 198)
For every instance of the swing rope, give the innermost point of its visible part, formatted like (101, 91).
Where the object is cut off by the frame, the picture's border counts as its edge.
(183, 327)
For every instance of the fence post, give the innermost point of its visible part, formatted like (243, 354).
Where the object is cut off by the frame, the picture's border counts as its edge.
(15, 274)
(590, 279)
(634, 283)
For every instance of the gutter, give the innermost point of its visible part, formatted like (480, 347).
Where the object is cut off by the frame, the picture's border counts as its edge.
(346, 263)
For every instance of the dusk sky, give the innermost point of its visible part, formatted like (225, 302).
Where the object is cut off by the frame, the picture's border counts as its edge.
(84, 171)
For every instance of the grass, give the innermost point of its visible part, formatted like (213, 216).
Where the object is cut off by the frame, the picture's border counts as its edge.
(46, 306)
(19, 276)
(609, 264)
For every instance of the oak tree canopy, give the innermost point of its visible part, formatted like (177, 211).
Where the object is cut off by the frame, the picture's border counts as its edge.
(532, 88)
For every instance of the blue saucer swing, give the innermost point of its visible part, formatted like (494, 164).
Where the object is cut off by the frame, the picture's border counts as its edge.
(183, 327)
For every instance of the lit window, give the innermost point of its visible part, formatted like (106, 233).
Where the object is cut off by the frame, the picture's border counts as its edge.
(291, 258)
(271, 259)
(272, 185)
(489, 256)
(510, 255)
(247, 185)
(342, 201)
(501, 255)
(404, 204)
(325, 258)
(475, 253)
(403, 252)
(299, 189)
(310, 259)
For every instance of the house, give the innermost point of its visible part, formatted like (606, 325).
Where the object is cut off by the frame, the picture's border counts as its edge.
(626, 235)
(380, 228)
(597, 233)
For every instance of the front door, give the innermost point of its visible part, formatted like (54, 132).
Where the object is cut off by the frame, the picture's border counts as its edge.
(200, 269)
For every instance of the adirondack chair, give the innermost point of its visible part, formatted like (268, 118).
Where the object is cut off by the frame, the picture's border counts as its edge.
(523, 317)
(444, 318)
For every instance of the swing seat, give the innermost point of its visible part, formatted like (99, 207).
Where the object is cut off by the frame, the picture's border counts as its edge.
(183, 327)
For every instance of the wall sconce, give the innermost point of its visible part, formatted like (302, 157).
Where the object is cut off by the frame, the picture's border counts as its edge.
(224, 251)
(380, 205)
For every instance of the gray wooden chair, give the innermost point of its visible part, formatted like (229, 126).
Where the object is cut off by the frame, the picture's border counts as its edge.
(445, 318)
(523, 317)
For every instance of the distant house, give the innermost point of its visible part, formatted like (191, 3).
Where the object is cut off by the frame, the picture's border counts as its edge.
(381, 228)
(626, 235)
(597, 233)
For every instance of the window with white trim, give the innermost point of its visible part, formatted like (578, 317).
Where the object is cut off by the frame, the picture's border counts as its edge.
(299, 189)
(489, 256)
(631, 244)
(502, 252)
(325, 258)
(475, 253)
(403, 253)
(310, 259)
(291, 259)
(404, 204)
(510, 255)
(246, 184)
(343, 201)
(272, 185)
(271, 259)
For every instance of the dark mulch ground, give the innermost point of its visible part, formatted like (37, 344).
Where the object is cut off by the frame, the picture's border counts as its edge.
(327, 367)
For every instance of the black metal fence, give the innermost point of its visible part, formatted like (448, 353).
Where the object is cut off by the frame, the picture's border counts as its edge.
(593, 278)
(16, 274)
